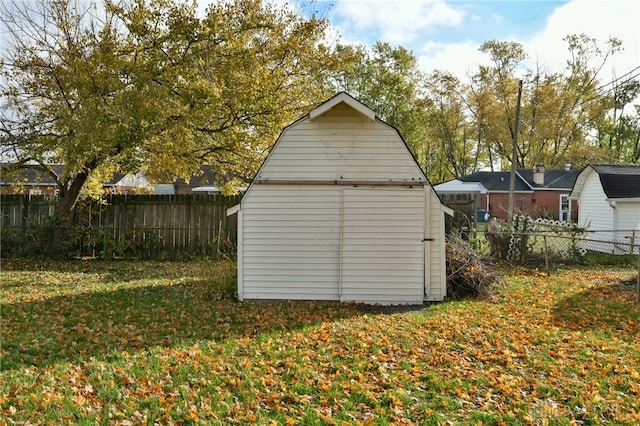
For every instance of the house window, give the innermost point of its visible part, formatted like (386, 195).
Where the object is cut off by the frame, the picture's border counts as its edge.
(565, 208)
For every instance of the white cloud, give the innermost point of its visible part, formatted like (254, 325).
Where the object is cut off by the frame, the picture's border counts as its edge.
(460, 59)
(497, 18)
(595, 18)
(399, 21)
(546, 48)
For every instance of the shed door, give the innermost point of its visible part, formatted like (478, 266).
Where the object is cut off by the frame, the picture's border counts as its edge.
(382, 251)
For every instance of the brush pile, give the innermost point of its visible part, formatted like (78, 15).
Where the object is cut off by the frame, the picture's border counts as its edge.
(468, 275)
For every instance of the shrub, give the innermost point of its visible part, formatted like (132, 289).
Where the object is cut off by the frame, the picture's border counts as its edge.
(32, 241)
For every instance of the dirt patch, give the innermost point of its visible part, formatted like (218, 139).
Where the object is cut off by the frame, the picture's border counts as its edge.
(391, 309)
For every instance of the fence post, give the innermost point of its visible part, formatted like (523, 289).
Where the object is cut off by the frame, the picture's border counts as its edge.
(546, 254)
(24, 211)
(633, 249)
(638, 282)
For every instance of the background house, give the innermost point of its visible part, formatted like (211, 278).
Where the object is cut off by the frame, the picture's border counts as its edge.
(609, 200)
(32, 180)
(29, 181)
(340, 210)
(129, 184)
(539, 192)
(201, 181)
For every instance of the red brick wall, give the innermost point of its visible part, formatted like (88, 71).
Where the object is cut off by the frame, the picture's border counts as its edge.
(537, 204)
(24, 189)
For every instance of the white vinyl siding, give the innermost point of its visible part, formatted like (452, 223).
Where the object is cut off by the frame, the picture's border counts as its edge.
(382, 248)
(342, 144)
(628, 215)
(594, 210)
(597, 212)
(305, 233)
(291, 237)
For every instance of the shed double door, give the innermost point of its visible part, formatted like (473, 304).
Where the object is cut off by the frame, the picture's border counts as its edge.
(382, 245)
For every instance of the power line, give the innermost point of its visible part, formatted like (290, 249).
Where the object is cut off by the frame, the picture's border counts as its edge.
(596, 90)
(580, 102)
(599, 95)
(619, 78)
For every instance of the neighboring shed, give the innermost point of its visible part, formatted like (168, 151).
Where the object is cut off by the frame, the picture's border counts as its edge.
(465, 199)
(609, 198)
(340, 210)
(129, 183)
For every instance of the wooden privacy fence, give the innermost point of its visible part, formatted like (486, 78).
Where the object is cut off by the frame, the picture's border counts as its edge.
(466, 212)
(126, 224)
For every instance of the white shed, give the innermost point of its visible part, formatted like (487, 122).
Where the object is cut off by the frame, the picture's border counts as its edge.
(609, 199)
(340, 210)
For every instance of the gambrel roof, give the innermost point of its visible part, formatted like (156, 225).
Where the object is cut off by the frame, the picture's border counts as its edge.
(618, 181)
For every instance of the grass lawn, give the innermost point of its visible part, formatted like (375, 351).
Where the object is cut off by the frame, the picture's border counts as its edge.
(92, 342)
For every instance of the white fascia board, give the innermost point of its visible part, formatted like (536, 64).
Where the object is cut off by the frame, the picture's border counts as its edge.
(579, 183)
(342, 97)
(233, 210)
(448, 210)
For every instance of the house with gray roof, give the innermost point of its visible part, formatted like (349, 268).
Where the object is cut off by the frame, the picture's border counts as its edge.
(609, 197)
(29, 180)
(539, 192)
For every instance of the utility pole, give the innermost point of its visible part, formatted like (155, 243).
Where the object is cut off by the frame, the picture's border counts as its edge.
(514, 161)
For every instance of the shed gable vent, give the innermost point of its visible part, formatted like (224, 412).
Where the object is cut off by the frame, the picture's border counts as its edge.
(338, 99)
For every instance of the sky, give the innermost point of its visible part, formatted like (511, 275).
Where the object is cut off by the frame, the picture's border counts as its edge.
(446, 34)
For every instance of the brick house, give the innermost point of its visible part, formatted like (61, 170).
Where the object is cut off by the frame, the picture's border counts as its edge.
(539, 192)
(28, 181)
(31, 180)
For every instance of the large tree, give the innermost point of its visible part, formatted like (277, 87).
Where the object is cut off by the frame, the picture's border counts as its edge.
(561, 110)
(150, 86)
(499, 81)
(619, 131)
(453, 153)
(388, 80)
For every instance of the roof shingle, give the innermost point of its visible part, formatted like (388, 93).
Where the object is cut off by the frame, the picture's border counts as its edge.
(619, 181)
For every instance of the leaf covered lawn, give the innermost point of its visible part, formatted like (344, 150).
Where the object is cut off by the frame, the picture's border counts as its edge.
(148, 342)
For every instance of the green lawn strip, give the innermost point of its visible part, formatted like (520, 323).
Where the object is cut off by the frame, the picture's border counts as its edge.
(146, 342)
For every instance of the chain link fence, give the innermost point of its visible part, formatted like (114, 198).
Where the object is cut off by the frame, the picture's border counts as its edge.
(551, 245)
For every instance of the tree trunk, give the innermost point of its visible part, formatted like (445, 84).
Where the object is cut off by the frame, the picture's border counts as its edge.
(63, 216)
(64, 210)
